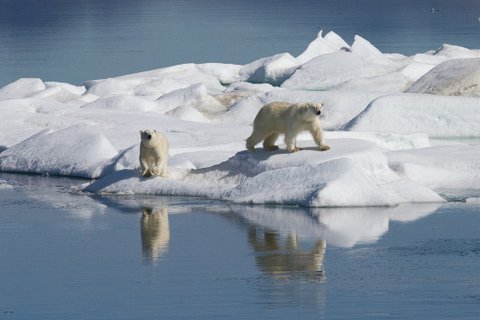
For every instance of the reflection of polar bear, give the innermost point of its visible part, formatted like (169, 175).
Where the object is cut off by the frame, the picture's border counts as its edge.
(155, 232)
(282, 258)
(153, 153)
(278, 118)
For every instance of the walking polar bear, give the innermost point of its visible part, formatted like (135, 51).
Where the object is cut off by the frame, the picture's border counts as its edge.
(153, 153)
(289, 119)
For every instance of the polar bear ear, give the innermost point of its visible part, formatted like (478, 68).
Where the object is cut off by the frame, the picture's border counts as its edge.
(141, 131)
(155, 130)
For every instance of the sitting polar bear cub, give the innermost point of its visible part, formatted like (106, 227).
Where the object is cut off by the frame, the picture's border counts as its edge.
(278, 118)
(153, 153)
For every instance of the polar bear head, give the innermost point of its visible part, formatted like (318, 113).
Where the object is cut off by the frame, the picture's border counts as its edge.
(311, 110)
(148, 137)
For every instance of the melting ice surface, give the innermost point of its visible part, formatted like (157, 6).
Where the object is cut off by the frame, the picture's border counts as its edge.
(383, 116)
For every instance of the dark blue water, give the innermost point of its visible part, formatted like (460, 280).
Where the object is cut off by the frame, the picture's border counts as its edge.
(78, 40)
(65, 255)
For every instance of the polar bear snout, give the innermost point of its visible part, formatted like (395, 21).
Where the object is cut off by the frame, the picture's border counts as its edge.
(147, 135)
(315, 108)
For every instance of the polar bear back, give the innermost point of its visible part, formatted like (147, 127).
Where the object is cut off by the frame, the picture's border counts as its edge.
(274, 116)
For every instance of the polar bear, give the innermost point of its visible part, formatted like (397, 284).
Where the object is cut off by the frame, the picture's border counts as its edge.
(153, 153)
(289, 119)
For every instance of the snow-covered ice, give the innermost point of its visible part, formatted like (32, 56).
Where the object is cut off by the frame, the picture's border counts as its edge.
(437, 116)
(381, 113)
(454, 77)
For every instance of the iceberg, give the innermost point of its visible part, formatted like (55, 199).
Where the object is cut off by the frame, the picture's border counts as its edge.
(437, 116)
(356, 173)
(455, 77)
(273, 70)
(332, 42)
(75, 152)
(22, 88)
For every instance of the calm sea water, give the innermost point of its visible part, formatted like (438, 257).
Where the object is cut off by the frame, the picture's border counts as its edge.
(71, 256)
(78, 40)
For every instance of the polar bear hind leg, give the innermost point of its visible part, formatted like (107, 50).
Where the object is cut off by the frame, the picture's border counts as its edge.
(257, 136)
(159, 168)
(269, 142)
(162, 166)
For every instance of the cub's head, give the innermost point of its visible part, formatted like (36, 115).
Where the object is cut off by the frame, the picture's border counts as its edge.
(147, 136)
(313, 110)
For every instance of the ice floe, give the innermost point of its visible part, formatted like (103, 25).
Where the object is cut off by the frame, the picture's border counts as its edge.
(381, 113)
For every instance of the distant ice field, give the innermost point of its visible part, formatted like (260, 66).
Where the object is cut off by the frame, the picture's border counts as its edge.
(72, 41)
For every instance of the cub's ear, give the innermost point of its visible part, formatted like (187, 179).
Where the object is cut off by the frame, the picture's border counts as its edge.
(155, 130)
(141, 131)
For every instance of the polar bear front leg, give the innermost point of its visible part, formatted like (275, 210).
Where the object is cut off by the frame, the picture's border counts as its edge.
(162, 167)
(317, 135)
(156, 169)
(159, 166)
(291, 140)
(144, 166)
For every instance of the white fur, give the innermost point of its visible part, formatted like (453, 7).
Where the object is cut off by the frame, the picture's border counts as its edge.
(153, 153)
(278, 118)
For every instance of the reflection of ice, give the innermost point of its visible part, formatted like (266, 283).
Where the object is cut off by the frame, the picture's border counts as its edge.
(134, 203)
(155, 233)
(474, 200)
(52, 192)
(347, 227)
(412, 212)
(343, 227)
(131, 204)
(5, 185)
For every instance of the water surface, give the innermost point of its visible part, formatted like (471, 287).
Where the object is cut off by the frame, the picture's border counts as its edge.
(72, 256)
